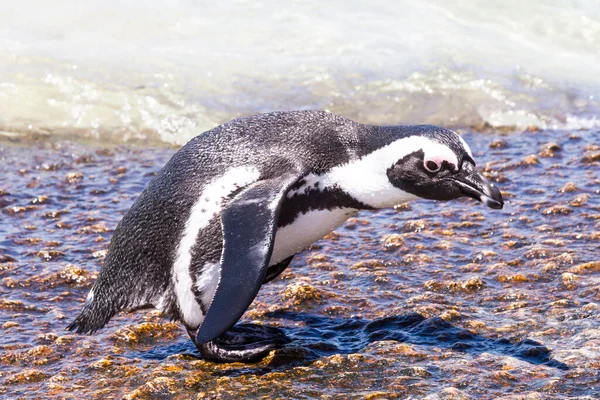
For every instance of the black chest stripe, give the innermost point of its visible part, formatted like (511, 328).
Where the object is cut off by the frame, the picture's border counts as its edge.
(316, 199)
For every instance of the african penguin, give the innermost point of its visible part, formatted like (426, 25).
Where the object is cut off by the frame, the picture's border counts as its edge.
(232, 207)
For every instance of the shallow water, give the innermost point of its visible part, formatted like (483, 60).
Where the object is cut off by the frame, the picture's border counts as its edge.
(165, 70)
(431, 299)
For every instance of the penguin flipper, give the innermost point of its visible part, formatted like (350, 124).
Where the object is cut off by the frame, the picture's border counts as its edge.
(249, 222)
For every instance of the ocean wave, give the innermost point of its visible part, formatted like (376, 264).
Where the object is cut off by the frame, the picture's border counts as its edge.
(165, 71)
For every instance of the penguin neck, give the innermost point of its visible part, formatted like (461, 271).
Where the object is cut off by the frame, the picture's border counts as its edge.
(375, 137)
(364, 177)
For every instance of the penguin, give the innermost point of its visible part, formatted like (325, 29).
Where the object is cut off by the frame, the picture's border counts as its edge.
(232, 207)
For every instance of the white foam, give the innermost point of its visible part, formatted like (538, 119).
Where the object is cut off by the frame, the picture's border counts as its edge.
(170, 69)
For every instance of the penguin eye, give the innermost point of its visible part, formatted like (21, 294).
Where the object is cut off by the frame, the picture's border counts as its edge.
(432, 166)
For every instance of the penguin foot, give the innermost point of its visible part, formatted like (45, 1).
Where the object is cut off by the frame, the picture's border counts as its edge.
(217, 352)
(248, 344)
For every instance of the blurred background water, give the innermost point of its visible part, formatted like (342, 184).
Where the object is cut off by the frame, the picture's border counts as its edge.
(163, 71)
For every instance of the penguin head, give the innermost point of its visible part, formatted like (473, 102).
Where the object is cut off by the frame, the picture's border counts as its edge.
(440, 166)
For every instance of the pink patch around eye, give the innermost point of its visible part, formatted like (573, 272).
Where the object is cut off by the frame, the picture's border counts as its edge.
(439, 160)
(432, 165)
(439, 154)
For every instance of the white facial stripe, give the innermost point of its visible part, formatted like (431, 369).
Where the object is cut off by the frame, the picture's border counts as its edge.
(439, 154)
(205, 208)
(465, 145)
(366, 180)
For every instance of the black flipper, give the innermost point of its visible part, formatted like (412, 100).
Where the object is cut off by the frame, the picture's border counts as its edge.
(249, 223)
(275, 270)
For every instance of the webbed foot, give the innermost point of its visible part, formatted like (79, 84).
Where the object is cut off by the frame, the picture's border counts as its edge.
(245, 343)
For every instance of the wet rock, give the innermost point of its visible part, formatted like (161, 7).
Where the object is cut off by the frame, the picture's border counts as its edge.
(38, 355)
(17, 305)
(100, 253)
(28, 376)
(563, 259)
(104, 363)
(553, 243)
(72, 274)
(591, 158)
(569, 188)
(146, 332)
(368, 265)
(470, 285)
(302, 293)
(498, 144)
(41, 199)
(55, 214)
(450, 393)
(317, 258)
(591, 236)
(589, 267)
(402, 207)
(156, 388)
(512, 278)
(120, 170)
(532, 129)
(392, 242)
(5, 258)
(443, 232)
(591, 307)
(65, 340)
(18, 210)
(569, 280)
(504, 378)
(28, 241)
(97, 228)
(48, 255)
(531, 160)
(353, 223)
(549, 150)
(557, 210)
(538, 252)
(450, 315)
(73, 177)
(415, 371)
(416, 225)
(380, 396)
(333, 236)
(85, 159)
(515, 244)
(580, 200)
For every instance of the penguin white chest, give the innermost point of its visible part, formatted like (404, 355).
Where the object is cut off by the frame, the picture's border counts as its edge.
(306, 229)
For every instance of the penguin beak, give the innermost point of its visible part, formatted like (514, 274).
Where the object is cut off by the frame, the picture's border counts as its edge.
(472, 184)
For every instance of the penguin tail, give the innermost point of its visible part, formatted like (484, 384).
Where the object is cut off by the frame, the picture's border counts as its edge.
(95, 314)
